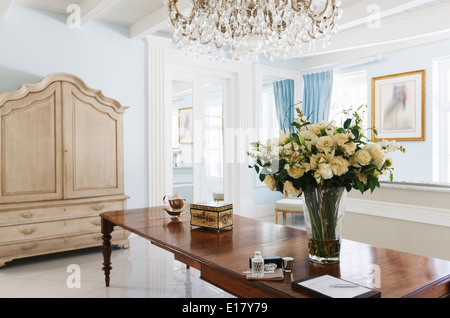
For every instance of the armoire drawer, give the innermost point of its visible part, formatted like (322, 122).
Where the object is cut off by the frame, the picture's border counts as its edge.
(39, 214)
(12, 251)
(35, 231)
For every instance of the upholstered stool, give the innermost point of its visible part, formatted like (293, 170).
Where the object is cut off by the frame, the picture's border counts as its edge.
(288, 205)
(218, 197)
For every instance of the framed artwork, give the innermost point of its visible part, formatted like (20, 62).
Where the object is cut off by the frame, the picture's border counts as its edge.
(185, 125)
(398, 106)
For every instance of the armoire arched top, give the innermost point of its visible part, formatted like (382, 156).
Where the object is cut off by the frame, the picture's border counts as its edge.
(28, 88)
(61, 165)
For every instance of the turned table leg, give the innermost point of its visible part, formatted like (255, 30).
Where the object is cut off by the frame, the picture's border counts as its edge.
(107, 228)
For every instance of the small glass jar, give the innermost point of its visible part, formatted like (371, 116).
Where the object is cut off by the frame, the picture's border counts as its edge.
(257, 265)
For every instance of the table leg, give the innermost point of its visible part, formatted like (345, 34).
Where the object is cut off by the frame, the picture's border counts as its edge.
(107, 228)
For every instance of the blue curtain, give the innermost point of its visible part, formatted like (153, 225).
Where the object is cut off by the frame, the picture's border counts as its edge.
(284, 100)
(317, 95)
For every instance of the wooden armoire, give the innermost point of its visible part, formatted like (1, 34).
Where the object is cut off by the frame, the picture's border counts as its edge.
(61, 165)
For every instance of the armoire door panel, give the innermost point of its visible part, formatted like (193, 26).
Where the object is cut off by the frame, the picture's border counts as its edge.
(31, 144)
(92, 157)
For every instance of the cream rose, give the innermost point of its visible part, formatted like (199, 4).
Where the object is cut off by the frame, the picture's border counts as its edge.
(339, 165)
(289, 188)
(270, 182)
(340, 139)
(325, 144)
(349, 148)
(324, 171)
(315, 129)
(296, 172)
(308, 135)
(363, 157)
(375, 151)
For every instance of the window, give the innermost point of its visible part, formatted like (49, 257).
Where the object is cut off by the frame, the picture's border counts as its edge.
(270, 121)
(349, 92)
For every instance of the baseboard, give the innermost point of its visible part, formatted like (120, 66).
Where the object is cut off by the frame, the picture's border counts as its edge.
(413, 213)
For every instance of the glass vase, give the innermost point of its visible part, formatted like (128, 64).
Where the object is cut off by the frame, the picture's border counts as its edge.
(324, 213)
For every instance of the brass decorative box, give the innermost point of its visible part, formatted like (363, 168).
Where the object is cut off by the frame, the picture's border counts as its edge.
(213, 215)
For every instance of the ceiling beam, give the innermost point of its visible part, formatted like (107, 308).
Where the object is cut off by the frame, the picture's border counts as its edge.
(155, 21)
(393, 34)
(365, 11)
(91, 9)
(4, 7)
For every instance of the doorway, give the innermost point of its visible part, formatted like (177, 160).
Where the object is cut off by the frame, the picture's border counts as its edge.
(197, 136)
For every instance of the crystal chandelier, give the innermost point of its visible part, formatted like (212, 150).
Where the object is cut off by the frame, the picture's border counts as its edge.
(246, 28)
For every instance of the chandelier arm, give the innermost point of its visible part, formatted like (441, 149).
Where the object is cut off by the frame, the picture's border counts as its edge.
(178, 15)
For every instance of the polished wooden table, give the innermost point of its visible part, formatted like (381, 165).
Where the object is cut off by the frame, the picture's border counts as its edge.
(221, 257)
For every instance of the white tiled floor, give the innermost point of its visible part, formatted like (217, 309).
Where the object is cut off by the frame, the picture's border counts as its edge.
(142, 271)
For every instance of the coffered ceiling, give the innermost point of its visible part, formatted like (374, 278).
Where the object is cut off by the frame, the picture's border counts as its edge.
(365, 25)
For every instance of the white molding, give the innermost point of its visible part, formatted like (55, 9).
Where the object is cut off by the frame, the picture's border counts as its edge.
(412, 213)
(4, 7)
(417, 186)
(159, 41)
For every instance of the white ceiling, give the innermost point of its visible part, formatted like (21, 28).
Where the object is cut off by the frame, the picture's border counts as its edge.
(401, 22)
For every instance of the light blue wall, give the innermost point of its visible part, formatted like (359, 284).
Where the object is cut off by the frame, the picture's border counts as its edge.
(416, 163)
(35, 43)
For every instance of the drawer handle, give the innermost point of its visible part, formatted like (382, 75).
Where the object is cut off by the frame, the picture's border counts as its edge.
(97, 207)
(28, 231)
(27, 215)
(28, 247)
(96, 222)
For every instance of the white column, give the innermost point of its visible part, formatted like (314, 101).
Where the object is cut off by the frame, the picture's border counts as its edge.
(243, 182)
(159, 160)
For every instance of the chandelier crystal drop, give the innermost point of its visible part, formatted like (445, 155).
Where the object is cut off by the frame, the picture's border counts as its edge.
(279, 29)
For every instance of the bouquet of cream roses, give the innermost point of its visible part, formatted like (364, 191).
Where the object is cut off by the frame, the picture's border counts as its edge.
(322, 155)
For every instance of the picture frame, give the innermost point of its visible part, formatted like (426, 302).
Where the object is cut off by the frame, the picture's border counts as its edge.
(398, 107)
(185, 126)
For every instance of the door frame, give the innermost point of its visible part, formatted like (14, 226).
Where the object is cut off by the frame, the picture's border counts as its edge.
(198, 77)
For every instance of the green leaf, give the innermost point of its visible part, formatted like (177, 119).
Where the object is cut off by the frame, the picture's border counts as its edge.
(258, 161)
(262, 177)
(347, 123)
(371, 184)
(257, 169)
(355, 132)
(359, 185)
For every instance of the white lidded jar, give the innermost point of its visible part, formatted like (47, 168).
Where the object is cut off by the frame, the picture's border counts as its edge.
(257, 265)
